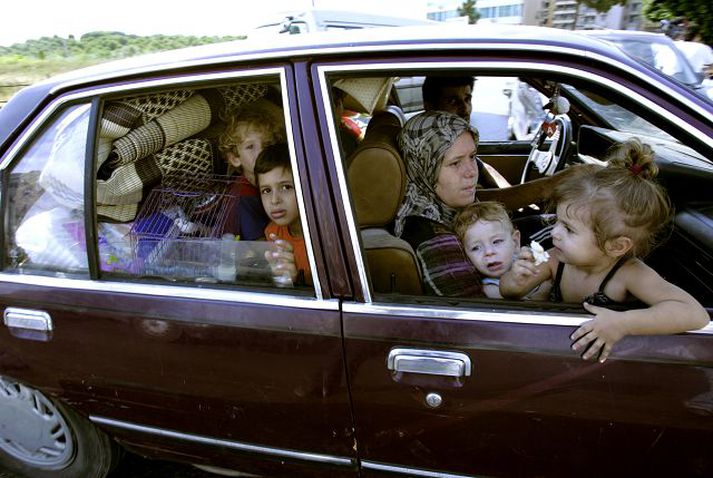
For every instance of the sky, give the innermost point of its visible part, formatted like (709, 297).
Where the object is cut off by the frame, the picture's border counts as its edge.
(32, 19)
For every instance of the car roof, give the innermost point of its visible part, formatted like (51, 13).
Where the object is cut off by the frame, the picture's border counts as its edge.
(627, 34)
(441, 36)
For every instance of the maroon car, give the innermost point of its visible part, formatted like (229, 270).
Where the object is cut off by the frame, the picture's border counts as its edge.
(131, 321)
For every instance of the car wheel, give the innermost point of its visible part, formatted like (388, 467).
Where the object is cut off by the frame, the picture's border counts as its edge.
(41, 438)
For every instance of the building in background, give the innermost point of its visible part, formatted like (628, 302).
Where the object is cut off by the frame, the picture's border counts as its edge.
(571, 15)
(565, 14)
(444, 10)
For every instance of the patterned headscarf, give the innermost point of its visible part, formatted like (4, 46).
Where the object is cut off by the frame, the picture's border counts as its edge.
(423, 141)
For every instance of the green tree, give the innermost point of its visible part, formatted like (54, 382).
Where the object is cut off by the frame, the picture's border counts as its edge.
(468, 9)
(602, 5)
(694, 11)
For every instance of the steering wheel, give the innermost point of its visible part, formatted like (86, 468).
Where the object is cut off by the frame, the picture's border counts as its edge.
(549, 158)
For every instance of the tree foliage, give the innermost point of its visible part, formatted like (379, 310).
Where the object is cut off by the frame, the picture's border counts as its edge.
(691, 11)
(602, 5)
(468, 9)
(103, 45)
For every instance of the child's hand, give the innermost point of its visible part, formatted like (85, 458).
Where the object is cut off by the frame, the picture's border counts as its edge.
(524, 266)
(598, 336)
(282, 262)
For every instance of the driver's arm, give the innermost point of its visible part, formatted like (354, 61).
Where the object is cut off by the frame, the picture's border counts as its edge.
(532, 192)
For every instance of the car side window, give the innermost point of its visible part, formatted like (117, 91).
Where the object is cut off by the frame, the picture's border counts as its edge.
(178, 187)
(587, 127)
(45, 220)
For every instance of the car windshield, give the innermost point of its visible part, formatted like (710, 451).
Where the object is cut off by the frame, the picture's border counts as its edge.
(619, 117)
(662, 55)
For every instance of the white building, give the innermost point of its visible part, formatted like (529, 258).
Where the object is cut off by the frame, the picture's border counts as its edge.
(565, 14)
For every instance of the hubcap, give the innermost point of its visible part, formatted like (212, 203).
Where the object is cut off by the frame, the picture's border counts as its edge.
(32, 429)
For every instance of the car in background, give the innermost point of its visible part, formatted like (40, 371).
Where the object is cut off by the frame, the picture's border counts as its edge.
(316, 19)
(655, 49)
(131, 321)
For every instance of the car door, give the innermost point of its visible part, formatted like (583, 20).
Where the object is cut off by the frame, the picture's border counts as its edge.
(176, 360)
(485, 387)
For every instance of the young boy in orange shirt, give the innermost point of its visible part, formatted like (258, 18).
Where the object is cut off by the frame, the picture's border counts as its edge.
(273, 172)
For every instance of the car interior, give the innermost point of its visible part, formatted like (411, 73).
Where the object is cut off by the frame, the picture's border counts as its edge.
(593, 122)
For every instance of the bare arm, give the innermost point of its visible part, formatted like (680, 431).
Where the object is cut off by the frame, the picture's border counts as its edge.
(521, 195)
(671, 310)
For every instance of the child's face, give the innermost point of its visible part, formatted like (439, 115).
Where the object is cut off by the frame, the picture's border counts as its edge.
(490, 246)
(277, 191)
(248, 150)
(573, 238)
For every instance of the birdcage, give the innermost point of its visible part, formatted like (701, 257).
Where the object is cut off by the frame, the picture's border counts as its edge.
(177, 233)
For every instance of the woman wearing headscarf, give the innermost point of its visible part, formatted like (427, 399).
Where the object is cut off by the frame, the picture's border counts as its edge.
(439, 149)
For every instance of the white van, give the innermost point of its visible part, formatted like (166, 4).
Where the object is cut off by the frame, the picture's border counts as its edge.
(315, 20)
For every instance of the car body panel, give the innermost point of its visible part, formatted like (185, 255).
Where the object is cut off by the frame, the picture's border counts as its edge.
(516, 415)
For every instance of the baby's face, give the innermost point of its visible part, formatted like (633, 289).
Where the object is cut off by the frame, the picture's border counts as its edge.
(252, 144)
(490, 246)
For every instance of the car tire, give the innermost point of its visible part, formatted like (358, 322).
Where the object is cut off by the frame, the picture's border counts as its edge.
(43, 438)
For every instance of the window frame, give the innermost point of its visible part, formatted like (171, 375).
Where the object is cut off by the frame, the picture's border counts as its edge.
(560, 68)
(281, 72)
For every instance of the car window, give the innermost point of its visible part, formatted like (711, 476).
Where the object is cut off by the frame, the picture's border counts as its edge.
(663, 55)
(46, 199)
(619, 116)
(377, 175)
(179, 195)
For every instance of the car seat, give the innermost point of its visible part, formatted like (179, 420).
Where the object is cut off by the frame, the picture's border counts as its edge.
(377, 179)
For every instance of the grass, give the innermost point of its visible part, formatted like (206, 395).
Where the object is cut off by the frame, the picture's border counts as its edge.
(16, 72)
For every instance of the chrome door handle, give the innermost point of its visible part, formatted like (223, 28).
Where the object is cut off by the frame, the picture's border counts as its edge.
(28, 324)
(430, 362)
(27, 319)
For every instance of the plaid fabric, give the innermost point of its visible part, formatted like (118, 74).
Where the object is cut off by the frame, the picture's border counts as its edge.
(447, 271)
(153, 106)
(187, 119)
(128, 184)
(120, 117)
(124, 213)
(423, 141)
(236, 96)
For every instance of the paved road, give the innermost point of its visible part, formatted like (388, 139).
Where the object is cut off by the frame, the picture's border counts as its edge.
(133, 466)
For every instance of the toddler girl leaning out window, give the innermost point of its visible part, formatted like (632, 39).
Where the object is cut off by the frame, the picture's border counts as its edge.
(607, 217)
(254, 127)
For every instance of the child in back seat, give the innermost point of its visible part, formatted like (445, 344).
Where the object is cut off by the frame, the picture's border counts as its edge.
(254, 127)
(277, 191)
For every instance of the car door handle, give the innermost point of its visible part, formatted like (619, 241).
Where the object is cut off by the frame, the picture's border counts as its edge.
(430, 362)
(28, 323)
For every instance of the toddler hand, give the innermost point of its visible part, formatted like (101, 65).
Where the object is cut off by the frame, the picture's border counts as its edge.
(597, 336)
(524, 266)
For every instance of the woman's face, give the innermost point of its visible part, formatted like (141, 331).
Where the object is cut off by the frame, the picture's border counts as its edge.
(458, 174)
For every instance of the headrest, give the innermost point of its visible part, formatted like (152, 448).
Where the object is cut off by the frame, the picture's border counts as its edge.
(365, 95)
(376, 173)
